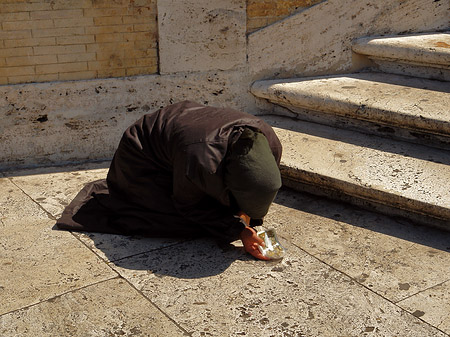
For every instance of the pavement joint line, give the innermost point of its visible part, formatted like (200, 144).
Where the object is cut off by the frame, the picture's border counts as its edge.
(157, 307)
(147, 251)
(50, 215)
(59, 295)
(130, 284)
(423, 290)
(368, 288)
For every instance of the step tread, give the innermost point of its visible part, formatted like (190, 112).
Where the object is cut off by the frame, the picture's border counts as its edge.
(405, 101)
(400, 174)
(427, 48)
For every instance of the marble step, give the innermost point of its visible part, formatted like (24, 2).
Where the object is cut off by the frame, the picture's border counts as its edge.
(422, 55)
(391, 177)
(394, 106)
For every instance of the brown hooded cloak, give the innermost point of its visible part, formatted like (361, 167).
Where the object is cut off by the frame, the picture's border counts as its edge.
(167, 176)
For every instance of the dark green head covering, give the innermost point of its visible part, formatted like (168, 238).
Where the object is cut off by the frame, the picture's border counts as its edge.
(252, 174)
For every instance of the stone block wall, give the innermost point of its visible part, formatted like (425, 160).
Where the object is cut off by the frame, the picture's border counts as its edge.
(42, 40)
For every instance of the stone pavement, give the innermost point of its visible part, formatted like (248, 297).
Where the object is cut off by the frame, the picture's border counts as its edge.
(348, 272)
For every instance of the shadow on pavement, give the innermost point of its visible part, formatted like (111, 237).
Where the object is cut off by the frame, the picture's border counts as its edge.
(358, 217)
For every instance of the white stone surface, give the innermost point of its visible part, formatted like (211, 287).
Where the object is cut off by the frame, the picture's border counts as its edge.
(53, 123)
(432, 305)
(36, 262)
(398, 101)
(405, 176)
(344, 271)
(431, 49)
(110, 308)
(201, 35)
(393, 100)
(298, 46)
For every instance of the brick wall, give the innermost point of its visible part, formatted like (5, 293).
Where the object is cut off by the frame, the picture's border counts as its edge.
(43, 40)
(261, 13)
(53, 40)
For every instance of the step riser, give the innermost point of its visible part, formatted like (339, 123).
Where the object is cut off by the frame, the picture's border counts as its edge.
(340, 194)
(428, 72)
(386, 130)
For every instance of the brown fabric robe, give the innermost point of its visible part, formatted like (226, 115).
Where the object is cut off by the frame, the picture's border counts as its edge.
(166, 177)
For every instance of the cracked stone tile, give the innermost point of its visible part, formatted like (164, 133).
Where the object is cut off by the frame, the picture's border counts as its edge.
(431, 305)
(110, 308)
(37, 262)
(55, 187)
(396, 260)
(220, 291)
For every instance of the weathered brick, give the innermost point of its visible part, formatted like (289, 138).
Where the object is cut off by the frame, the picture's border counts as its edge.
(24, 25)
(69, 49)
(114, 62)
(147, 52)
(32, 78)
(15, 34)
(61, 68)
(146, 62)
(71, 4)
(110, 3)
(16, 71)
(145, 19)
(145, 27)
(107, 48)
(2, 61)
(23, 51)
(102, 38)
(66, 58)
(58, 32)
(98, 12)
(144, 45)
(25, 7)
(78, 75)
(3, 80)
(111, 73)
(18, 16)
(47, 41)
(75, 22)
(108, 20)
(76, 39)
(56, 14)
(142, 71)
(109, 29)
(145, 36)
(30, 60)
(144, 3)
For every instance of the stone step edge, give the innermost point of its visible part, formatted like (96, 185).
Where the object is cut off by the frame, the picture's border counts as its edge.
(377, 128)
(333, 190)
(435, 54)
(341, 108)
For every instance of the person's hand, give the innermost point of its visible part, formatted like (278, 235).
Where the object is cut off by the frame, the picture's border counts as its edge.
(251, 242)
(244, 217)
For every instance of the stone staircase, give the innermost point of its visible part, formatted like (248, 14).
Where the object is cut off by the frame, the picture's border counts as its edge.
(379, 138)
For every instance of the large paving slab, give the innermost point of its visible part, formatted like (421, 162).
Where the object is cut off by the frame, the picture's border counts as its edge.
(54, 187)
(38, 263)
(392, 257)
(110, 308)
(405, 177)
(221, 292)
